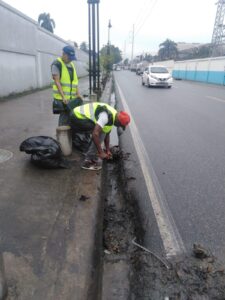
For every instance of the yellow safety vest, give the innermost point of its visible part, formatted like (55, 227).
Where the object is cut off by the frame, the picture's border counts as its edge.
(91, 111)
(69, 88)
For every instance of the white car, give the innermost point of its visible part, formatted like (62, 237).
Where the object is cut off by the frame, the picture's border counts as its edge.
(157, 76)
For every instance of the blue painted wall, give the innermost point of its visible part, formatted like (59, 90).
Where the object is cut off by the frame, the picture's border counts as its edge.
(203, 76)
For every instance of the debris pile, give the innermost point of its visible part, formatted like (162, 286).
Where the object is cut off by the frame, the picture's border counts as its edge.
(198, 276)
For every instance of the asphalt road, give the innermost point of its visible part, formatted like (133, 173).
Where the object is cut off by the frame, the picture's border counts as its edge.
(183, 132)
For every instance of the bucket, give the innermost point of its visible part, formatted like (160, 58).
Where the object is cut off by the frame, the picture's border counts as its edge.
(63, 135)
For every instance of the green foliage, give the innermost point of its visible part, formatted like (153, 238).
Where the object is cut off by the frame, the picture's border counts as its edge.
(168, 50)
(148, 57)
(84, 47)
(109, 55)
(46, 22)
(126, 62)
(202, 51)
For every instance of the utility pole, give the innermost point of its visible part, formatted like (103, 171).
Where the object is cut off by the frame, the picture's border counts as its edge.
(132, 51)
(124, 50)
(218, 37)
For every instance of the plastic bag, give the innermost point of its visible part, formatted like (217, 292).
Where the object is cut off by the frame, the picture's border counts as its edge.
(45, 152)
(74, 103)
(81, 141)
(58, 106)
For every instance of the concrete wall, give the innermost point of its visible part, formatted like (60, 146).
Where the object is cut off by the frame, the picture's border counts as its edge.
(210, 70)
(27, 51)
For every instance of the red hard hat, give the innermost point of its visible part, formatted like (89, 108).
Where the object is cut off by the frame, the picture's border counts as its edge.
(123, 118)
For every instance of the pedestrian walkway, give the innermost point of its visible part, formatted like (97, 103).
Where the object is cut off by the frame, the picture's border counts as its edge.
(49, 219)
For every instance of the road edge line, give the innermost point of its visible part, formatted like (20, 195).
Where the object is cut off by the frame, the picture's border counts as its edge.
(172, 241)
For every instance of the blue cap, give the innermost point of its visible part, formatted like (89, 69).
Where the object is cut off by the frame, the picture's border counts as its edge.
(69, 50)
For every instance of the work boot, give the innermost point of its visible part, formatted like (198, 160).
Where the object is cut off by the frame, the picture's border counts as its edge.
(91, 165)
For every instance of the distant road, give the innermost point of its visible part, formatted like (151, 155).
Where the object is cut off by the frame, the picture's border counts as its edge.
(183, 132)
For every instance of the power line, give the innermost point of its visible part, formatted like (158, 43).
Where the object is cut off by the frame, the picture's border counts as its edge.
(141, 23)
(147, 16)
(139, 16)
(141, 12)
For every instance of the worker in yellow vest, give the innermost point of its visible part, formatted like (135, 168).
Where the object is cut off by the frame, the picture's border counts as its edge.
(98, 119)
(65, 85)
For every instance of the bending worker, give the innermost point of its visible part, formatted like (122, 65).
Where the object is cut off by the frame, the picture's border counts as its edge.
(65, 86)
(97, 118)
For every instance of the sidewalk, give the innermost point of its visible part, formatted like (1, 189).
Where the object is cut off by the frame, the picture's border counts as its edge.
(50, 237)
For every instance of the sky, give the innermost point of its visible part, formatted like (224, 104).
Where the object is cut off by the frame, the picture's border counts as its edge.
(152, 21)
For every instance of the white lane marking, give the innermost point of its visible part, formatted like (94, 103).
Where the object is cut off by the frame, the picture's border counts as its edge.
(216, 99)
(171, 238)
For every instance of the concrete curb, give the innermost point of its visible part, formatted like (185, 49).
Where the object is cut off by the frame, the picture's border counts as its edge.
(3, 286)
(136, 192)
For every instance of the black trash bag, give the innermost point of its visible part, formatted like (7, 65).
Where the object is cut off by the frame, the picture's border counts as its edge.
(58, 106)
(74, 103)
(81, 141)
(45, 152)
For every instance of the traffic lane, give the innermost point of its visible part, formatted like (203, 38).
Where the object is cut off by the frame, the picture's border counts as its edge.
(183, 134)
(209, 89)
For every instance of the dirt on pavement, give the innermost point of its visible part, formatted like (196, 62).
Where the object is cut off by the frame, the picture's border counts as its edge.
(197, 276)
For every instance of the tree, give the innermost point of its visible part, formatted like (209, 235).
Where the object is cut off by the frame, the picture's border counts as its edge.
(46, 22)
(126, 62)
(84, 47)
(148, 57)
(205, 51)
(168, 50)
(110, 55)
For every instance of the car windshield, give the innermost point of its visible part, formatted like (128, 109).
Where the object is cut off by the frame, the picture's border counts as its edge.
(158, 70)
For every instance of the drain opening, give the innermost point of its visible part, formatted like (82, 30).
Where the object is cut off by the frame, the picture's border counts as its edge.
(5, 155)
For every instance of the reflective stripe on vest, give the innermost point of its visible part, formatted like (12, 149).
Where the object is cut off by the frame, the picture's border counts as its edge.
(88, 111)
(69, 88)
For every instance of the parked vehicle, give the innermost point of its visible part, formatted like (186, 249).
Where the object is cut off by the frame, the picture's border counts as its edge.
(156, 75)
(141, 67)
(138, 71)
(133, 66)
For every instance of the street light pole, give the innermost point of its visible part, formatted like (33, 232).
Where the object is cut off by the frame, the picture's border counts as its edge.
(98, 50)
(90, 47)
(109, 26)
(132, 51)
(93, 33)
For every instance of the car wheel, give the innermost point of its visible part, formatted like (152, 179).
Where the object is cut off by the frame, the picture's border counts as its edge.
(142, 82)
(169, 86)
(148, 83)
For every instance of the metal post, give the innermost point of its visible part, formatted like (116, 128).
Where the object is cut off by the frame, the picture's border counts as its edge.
(132, 52)
(94, 47)
(98, 59)
(94, 65)
(90, 47)
(108, 48)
